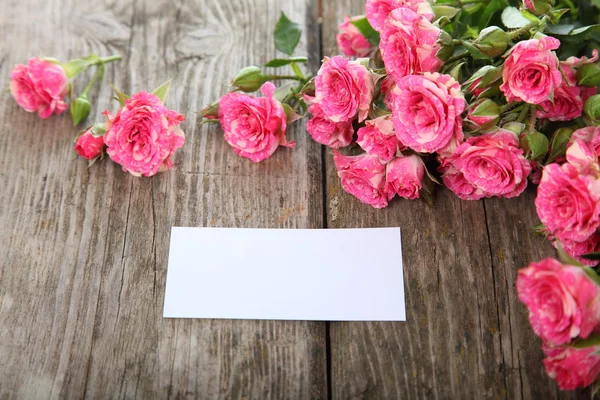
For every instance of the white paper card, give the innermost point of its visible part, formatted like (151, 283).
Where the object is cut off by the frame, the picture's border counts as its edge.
(285, 274)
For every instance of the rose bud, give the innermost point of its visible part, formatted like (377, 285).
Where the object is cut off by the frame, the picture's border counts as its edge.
(483, 114)
(592, 107)
(211, 111)
(249, 79)
(588, 75)
(89, 146)
(483, 79)
(351, 41)
(492, 41)
(539, 7)
(80, 109)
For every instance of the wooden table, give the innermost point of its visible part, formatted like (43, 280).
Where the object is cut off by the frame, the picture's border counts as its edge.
(84, 250)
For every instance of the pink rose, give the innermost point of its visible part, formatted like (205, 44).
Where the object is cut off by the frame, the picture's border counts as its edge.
(571, 367)
(568, 203)
(88, 146)
(567, 104)
(409, 44)
(40, 86)
(578, 249)
(378, 137)
(426, 111)
(589, 134)
(531, 71)
(143, 135)
(403, 176)
(344, 88)
(254, 126)
(325, 131)
(379, 10)
(351, 41)
(582, 156)
(362, 176)
(563, 302)
(493, 164)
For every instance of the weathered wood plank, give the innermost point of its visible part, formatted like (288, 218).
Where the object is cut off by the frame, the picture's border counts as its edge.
(84, 251)
(465, 329)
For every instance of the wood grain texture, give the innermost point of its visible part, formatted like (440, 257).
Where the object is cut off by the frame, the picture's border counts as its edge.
(84, 251)
(466, 334)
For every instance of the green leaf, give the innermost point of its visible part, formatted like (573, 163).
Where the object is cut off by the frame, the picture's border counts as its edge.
(513, 19)
(536, 145)
(492, 7)
(558, 144)
(562, 29)
(474, 51)
(455, 72)
(280, 62)
(287, 35)
(290, 114)
(445, 11)
(367, 30)
(282, 91)
(584, 29)
(120, 96)
(162, 91)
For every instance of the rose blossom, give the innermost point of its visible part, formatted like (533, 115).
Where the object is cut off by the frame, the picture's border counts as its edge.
(426, 111)
(362, 176)
(572, 367)
(325, 131)
(493, 164)
(403, 176)
(143, 135)
(254, 126)
(344, 88)
(379, 10)
(409, 44)
(40, 86)
(88, 146)
(589, 134)
(531, 71)
(568, 203)
(578, 249)
(563, 302)
(582, 156)
(351, 41)
(378, 137)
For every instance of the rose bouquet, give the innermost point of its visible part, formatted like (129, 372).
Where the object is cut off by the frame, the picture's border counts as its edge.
(485, 97)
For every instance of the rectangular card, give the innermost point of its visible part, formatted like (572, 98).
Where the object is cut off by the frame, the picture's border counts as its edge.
(285, 274)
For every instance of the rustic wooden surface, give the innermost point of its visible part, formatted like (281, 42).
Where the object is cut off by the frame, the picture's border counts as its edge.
(83, 252)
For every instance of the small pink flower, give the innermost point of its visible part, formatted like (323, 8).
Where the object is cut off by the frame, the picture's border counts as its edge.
(344, 88)
(351, 41)
(568, 203)
(363, 176)
(578, 249)
(409, 44)
(143, 135)
(404, 176)
(426, 111)
(88, 146)
(325, 131)
(589, 134)
(493, 164)
(379, 10)
(40, 87)
(563, 302)
(378, 137)
(254, 126)
(531, 71)
(571, 367)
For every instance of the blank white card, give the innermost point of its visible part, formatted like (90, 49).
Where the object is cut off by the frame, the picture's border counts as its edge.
(285, 274)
